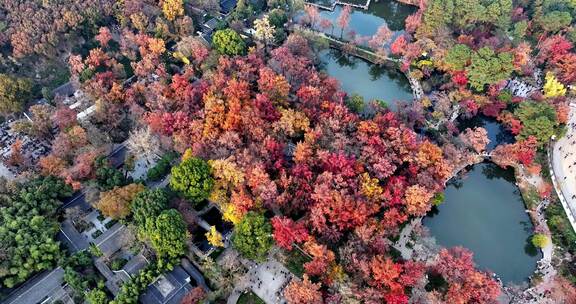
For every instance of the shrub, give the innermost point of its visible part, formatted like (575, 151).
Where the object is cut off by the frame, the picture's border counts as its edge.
(161, 168)
(192, 178)
(118, 263)
(540, 240)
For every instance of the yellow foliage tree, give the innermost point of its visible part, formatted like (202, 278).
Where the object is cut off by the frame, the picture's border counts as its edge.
(231, 214)
(292, 122)
(337, 273)
(226, 172)
(553, 87)
(187, 154)
(219, 195)
(370, 187)
(264, 31)
(181, 57)
(540, 240)
(172, 9)
(214, 237)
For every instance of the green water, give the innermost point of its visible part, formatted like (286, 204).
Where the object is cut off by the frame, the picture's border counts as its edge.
(366, 79)
(484, 212)
(366, 22)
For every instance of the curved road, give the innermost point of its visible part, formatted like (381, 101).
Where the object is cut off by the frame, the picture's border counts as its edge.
(563, 167)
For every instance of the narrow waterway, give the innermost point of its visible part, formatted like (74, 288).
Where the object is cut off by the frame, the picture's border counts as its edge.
(484, 212)
(368, 80)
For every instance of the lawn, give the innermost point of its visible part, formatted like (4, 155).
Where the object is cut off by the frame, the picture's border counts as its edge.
(295, 262)
(250, 298)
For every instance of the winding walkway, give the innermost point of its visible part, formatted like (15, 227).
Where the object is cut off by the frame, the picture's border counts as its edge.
(562, 162)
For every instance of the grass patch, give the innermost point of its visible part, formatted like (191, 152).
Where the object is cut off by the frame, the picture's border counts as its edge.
(562, 233)
(96, 234)
(530, 196)
(295, 262)
(250, 298)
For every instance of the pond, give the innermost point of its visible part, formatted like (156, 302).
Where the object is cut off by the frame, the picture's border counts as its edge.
(368, 80)
(497, 133)
(484, 212)
(367, 22)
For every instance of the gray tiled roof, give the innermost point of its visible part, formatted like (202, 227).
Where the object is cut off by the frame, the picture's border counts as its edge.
(177, 280)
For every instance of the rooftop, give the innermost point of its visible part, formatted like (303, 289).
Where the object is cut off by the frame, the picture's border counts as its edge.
(227, 6)
(170, 287)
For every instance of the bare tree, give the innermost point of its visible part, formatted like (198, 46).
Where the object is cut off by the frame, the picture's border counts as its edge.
(142, 143)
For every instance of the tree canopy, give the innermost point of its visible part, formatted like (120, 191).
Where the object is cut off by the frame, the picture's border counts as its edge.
(538, 120)
(116, 203)
(487, 67)
(106, 176)
(169, 234)
(14, 93)
(28, 227)
(193, 178)
(96, 296)
(253, 236)
(147, 206)
(228, 42)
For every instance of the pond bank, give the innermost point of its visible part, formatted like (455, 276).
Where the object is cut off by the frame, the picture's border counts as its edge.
(367, 55)
(372, 82)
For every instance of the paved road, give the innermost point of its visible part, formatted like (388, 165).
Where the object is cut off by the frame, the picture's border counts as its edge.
(74, 240)
(267, 280)
(38, 288)
(563, 158)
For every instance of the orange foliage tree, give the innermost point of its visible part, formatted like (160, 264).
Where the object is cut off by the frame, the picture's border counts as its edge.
(303, 292)
(116, 202)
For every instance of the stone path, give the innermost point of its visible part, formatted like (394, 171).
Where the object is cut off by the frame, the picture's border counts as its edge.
(563, 164)
(401, 244)
(536, 294)
(267, 280)
(520, 88)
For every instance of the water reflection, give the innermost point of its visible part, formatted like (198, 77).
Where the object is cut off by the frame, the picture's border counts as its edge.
(484, 212)
(385, 84)
(366, 22)
(530, 249)
(495, 172)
